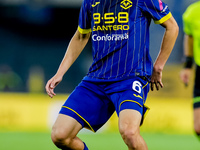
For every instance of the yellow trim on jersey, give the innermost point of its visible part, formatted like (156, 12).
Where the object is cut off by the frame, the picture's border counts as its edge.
(84, 31)
(145, 85)
(145, 114)
(165, 18)
(129, 101)
(80, 117)
(138, 96)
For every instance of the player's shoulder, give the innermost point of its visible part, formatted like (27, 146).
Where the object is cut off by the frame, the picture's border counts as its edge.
(89, 2)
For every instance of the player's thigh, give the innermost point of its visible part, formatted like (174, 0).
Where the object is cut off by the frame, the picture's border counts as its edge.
(129, 119)
(65, 127)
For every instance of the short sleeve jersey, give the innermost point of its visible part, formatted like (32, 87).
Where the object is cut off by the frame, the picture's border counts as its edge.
(120, 36)
(191, 22)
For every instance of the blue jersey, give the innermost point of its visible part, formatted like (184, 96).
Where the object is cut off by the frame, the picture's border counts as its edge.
(120, 36)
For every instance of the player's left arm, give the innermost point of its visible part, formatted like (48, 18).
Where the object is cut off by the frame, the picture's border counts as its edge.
(169, 39)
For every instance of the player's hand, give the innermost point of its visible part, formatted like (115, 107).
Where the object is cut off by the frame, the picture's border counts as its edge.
(51, 84)
(185, 75)
(156, 80)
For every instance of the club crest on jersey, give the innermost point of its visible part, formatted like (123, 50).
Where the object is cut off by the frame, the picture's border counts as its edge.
(126, 4)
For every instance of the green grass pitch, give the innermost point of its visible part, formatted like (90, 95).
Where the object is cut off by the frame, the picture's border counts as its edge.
(97, 141)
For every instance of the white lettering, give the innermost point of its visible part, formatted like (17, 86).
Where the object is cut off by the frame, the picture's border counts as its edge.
(113, 37)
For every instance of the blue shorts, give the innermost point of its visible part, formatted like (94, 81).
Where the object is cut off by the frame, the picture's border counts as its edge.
(93, 103)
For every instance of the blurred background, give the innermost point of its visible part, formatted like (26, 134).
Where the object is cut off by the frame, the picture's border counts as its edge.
(34, 35)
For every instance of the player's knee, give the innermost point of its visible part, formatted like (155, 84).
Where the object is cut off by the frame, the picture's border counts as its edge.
(59, 138)
(130, 137)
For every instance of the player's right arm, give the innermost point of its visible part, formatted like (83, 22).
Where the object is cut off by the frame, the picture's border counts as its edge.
(74, 49)
(160, 13)
(188, 53)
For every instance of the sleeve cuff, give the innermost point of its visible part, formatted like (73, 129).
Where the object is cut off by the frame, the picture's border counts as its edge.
(165, 18)
(84, 31)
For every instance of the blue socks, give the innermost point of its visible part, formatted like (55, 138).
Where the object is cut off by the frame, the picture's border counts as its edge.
(85, 147)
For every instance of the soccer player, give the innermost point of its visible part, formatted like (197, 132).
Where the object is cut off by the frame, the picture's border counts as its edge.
(118, 79)
(191, 22)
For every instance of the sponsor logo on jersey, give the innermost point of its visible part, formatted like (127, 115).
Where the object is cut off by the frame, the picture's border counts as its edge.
(112, 37)
(111, 27)
(111, 21)
(93, 5)
(126, 4)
